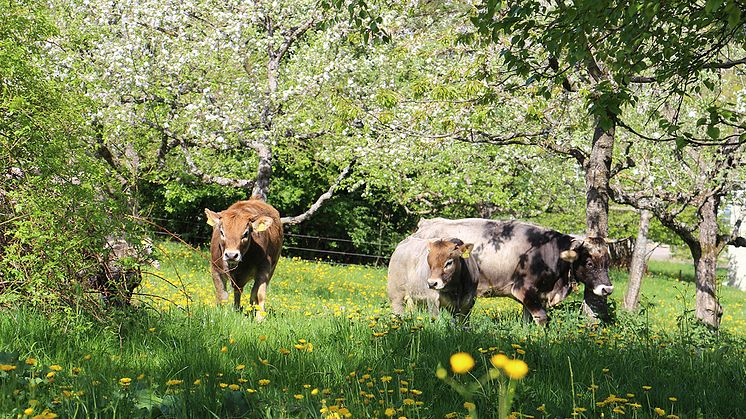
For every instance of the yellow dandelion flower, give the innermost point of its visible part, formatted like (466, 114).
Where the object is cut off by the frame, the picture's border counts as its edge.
(299, 396)
(499, 360)
(659, 411)
(231, 341)
(222, 385)
(469, 406)
(125, 381)
(461, 362)
(646, 388)
(31, 361)
(6, 367)
(224, 349)
(174, 382)
(51, 374)
(29, 411)
(516, 369)
(408, 402)
(250, 390)
(262, 338)
(87, 357)
(263, 382)
(673, 399)
(55, 367)
(197, 382)
(390, 411)
(234, 387)
(314, 391)
(520, 351)
(239, 367)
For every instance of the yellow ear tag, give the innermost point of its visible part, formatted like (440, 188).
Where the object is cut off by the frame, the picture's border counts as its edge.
(466, 254)
(261, 226)
(210, 222)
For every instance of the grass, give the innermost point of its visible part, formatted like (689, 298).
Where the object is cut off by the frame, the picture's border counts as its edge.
(329, 348)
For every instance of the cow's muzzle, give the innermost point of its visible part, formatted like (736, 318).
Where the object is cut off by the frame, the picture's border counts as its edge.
(603, 290)
(435, 284)
(232, 256)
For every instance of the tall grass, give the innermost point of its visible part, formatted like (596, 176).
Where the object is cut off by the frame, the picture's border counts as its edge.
(329, 348)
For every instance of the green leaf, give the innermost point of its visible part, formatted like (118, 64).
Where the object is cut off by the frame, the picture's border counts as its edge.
(681, 142)
(713, 132)
(712, 5)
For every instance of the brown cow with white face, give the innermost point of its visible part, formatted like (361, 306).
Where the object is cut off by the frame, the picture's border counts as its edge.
(437, 272)
(246, 242)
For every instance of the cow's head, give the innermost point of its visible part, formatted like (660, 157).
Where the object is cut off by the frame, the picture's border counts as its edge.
(235, 229)
(590, 261)
(444, 258)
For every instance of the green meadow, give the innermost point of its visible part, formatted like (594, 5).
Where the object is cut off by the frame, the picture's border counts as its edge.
(329, 348)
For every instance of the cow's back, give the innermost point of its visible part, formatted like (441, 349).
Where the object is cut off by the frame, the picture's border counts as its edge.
(507, 252)
(408, 270)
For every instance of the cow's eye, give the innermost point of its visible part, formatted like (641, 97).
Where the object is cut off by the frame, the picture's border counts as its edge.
(448, 264)
(222, 233)
(246, 234)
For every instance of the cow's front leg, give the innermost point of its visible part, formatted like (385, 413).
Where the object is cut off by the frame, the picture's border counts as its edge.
(237, 292)
(259, 294)
(220, 280)
(531, 306)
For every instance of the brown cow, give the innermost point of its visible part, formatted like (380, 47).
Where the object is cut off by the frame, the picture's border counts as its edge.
(246, 241)
(437, 272)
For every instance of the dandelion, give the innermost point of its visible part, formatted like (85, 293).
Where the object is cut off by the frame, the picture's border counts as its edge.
(50, 374)
(673, 399)
(516, 369)
(197, 382)
(125, 381)
(262, 338)
(499, 360)
(31, 361)
(264, 382)
(174, 382)
(224, 349)
(223, 385)
(234, 387)
(298, 396)
(55, 367)
(461, 362)
(408, 402)
(659, 411)
(240, 367)
(87, 357)
(29, 411)
(6, 367)
(314, 391)
(646, 388)
(151, 330)
(469, 406)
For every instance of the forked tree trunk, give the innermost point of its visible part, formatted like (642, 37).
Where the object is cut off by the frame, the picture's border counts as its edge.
(707, 308)
(637, 266)
(597, 173)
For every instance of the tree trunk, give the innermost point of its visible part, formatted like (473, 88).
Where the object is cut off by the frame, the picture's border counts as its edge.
(707, 308)
(637, 267)
(597, 171)
(263, 171)
(597, 182)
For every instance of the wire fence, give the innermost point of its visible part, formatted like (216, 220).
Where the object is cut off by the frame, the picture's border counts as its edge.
(335, 250)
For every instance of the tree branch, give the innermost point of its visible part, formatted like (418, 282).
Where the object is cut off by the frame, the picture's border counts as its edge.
(316, 205)
(218, 180)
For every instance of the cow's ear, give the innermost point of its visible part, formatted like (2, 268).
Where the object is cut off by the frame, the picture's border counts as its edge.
(212, 217)
(431, 245)
(466, 250)
(569, 255)
(262, 223)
